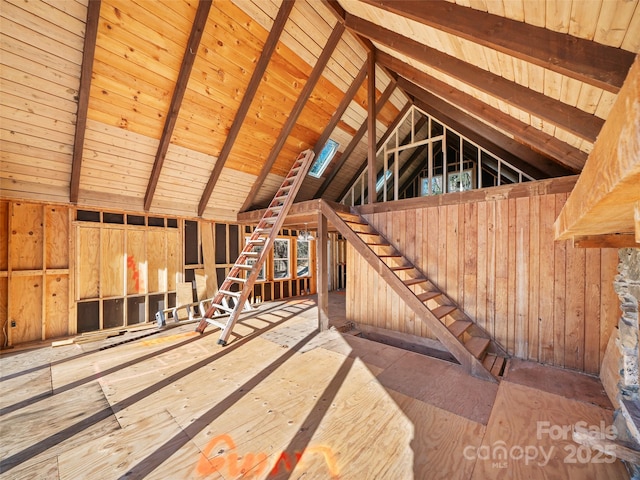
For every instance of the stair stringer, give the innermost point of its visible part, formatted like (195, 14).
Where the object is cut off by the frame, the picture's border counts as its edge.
(471, 364)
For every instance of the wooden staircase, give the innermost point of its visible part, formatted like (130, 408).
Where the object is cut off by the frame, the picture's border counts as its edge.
(468, 343)
(237, 287)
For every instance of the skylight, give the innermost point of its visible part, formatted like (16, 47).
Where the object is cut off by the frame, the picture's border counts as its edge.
(328, 151)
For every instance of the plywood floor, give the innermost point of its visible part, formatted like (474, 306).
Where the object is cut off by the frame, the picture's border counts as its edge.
(283, 401)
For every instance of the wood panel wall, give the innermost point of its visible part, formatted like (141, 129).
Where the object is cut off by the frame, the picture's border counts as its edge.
(541, 300)
(34, 272)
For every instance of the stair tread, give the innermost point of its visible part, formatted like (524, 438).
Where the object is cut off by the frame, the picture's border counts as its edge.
(402, 267)
(414, 281)
(423, 297)
(459, 327)
(443, 310)
(498, 366)
(477, 346)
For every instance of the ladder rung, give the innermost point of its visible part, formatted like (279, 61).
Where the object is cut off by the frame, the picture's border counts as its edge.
(423, 297)
(280, 198)
(243, 266)
(236, 279)
(215, 323)
(443, 310)
(250, 254)
(230, 293)
(286, 188)
(270, 219)
(276, 208)
(255, 241)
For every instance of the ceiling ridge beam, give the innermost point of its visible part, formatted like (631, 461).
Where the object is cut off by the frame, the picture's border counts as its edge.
(596, 64)
(344, 104)
(88, 54)
(380, 142)
(384, 98)
(563, 153)
(256, 77)
(575, 121)
(190, 53)
(315, 75)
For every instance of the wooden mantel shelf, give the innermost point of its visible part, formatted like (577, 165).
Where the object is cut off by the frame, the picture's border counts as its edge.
(606, 198)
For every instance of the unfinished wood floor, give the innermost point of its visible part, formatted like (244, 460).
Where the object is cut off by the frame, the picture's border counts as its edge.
(283, 401)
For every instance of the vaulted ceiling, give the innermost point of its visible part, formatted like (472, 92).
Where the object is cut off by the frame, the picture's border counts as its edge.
(199, 108)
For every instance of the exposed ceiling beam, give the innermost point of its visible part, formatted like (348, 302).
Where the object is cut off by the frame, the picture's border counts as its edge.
(355, 141)
(567, 117)
(261, 66)
(190, 53)
(337, 115)
(91, 33)
(318, 68)
(596, 64)
(606, 198)
(379, 144)
(561, 152)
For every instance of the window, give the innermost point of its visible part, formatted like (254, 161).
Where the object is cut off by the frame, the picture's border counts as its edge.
(382, 179)
(281, 258)
(302, 255)
(328, 151)
(461, 181)
(250, 261)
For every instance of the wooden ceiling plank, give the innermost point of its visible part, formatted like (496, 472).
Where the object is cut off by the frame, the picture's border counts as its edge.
(596, 64)
(315, 75)
(344, 104)
(91, 29)
(569, 118)
(188, 59)
(384, 98)
(605, 198)
(256, 77)
(563, 154)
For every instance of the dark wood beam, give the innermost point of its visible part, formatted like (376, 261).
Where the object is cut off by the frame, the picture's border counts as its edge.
(371, 123)
(596, 64)
(318, 68)
(190, 53)
(384, 98)
(561, 152)
(337, 115)
(256, 77)
(578, 122)
(91, 33)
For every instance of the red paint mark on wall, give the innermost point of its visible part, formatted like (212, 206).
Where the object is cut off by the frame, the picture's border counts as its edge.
(133, 266)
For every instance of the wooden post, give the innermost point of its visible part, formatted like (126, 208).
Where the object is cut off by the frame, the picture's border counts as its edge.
(371, 127)
(322, 273)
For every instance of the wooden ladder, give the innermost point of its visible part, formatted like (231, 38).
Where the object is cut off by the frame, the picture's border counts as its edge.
(237, 287)
(468, 343)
